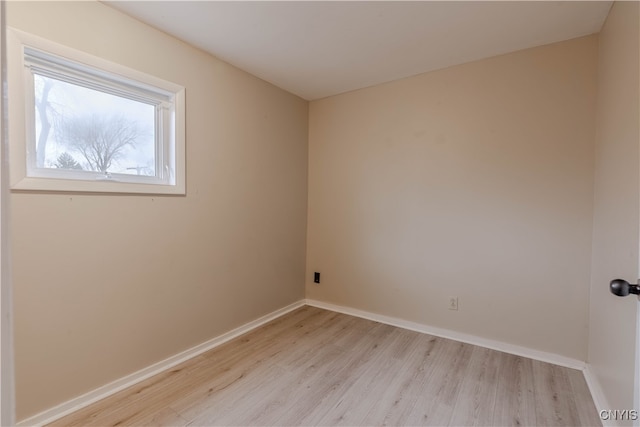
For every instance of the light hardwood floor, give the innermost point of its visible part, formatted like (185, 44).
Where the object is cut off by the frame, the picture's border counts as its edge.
(317, 367)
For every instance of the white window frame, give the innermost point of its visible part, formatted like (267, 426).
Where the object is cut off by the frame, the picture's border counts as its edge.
(29, 54)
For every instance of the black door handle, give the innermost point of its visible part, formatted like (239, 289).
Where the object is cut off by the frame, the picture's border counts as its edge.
(622, 288)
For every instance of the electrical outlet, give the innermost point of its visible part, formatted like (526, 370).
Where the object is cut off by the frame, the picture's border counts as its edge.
(453, 303)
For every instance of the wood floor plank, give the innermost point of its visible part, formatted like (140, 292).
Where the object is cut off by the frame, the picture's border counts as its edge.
(164, 417)
(229, 407)
(438, 397)
(477, 397)
(555, 402)
(515, 401)
(317, 367)
(379, 378)
(328, 389)
(289, 399)
(214, 378)
(418, 374)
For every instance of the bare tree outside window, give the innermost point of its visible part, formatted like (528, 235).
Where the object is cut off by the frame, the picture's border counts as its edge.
(80, 128)
(100, 140)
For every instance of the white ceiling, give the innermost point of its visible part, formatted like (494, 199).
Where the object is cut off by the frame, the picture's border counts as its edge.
(320, 48)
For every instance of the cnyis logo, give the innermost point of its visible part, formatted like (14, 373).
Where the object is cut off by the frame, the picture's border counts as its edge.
(619, 414)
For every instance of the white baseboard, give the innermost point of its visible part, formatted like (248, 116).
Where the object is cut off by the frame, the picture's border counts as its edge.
(556, 359)
(599, 399)
(93, 396)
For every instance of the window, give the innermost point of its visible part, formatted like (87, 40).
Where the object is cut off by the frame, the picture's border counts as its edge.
(91, 125)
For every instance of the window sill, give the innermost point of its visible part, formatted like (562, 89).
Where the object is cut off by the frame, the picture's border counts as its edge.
(30, 184)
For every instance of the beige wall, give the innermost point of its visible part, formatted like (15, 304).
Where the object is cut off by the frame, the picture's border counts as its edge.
(474, 181)
(106, 285)
(617, 205)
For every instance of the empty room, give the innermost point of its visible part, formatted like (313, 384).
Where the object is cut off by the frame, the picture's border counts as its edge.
(320, 213)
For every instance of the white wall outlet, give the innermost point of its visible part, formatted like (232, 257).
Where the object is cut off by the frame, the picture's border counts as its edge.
(453, 303)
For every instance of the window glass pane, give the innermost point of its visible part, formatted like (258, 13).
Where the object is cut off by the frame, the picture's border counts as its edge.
(85, 129)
